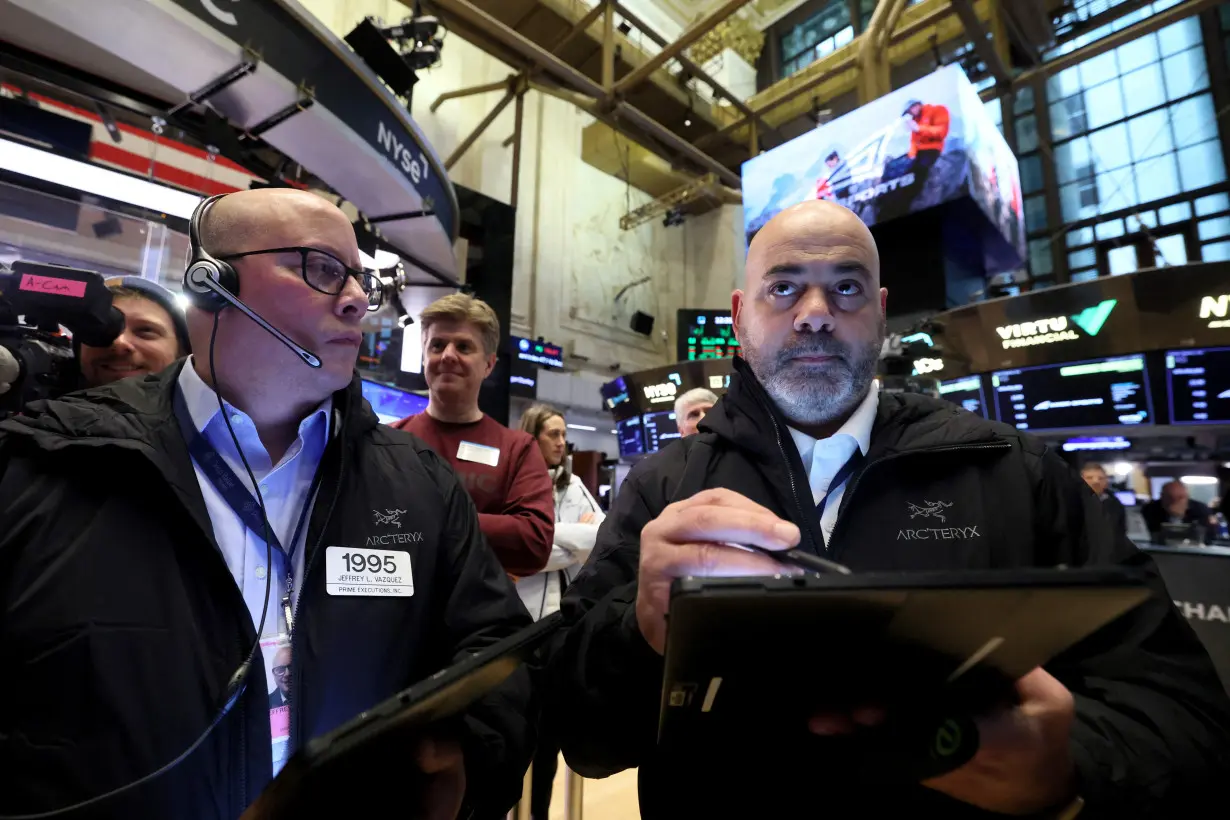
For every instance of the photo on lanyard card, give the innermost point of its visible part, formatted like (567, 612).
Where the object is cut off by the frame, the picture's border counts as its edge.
(276, 652)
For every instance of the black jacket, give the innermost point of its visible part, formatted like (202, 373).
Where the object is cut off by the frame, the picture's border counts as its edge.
(1116, 515)
(1153, 729)
(1155, 516)
(120, 623)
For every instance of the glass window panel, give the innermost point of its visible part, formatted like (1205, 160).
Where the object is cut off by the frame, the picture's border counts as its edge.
(1023, 102)
(1109, 148)
(1080, 259)
(1149, 135)
(1071, 204)
(1084, 276)
(1157, 178)
(1179, 36)
(1109, 230)
(1216, 252)
(1185, 73)
(1171, 250)
(1026, 134)
(1099, 69)
(1035, 213)
(1040, 261)
(994, 110)
(1104, 105)
(1139, 52)
(844, 36)
(1116, 190)
(1130, 18)
(1122, 259)
(1162, 5)
(1068, 118)
(1080, 236)
(1143, 89)
(1223, 11)
(1201, 165)
(1031, 173)
(1193, 120)
(1064, 84)
(1146, 219)
(1175, 213)
(1214, 228)
(1072, 160)
(1212, 204)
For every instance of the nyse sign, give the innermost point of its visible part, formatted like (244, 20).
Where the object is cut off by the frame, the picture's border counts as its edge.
(925, 366)
(1216, 308)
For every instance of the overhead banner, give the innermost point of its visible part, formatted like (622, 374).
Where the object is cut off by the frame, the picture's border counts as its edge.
(919, 147)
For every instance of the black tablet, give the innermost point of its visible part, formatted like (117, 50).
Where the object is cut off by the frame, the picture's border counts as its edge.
(772, 650)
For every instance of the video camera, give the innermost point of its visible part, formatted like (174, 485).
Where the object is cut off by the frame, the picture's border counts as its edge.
(36, 300)
(900, 358)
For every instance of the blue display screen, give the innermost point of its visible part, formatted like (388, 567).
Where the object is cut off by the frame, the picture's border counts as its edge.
(392, 404)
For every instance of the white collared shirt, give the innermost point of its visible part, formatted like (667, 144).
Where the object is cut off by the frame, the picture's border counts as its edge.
(824, 458)
(284, 488)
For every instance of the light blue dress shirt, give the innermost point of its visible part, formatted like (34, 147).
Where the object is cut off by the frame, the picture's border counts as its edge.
(284, 487)
(823, 458)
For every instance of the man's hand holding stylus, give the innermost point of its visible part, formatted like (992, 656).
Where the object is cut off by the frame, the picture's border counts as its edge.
(690, 538)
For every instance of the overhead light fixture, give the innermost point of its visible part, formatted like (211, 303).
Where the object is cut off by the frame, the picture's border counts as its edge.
(93, 179)
(1198, 479)
(584, 427)
(1123, 468)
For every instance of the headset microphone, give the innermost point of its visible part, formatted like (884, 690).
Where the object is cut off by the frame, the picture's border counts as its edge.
(199, 279)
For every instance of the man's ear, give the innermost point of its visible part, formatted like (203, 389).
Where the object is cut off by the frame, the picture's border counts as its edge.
(491, 357)
(736, 307)
(883, 301)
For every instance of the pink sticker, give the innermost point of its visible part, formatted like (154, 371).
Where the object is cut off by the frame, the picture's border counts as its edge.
(279, 722)
(52, 285)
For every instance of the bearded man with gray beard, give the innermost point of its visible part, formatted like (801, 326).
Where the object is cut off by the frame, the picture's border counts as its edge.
(805, 452)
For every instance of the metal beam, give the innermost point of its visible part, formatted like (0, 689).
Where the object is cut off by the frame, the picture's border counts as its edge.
(478, 130)
(516, 157)
(676, 143)
(982, 43)
(1147, 26)
(474, 89)
(608, 47)
(874, 80)
(670, 52)
(580, 26)
(696, 71)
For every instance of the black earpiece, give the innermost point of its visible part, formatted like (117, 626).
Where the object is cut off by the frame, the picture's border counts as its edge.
(205, 274)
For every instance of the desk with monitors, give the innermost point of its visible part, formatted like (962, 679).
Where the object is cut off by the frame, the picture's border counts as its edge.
(1097, 393)
(660, 430)
(631, 437)
(965, 392)
(1198, 385)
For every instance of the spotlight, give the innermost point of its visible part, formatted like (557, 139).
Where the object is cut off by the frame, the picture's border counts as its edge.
(673, 217)
(687, 123)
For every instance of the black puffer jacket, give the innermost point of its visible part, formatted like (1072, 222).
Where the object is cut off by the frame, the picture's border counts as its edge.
(1153, 724)
(120, 623)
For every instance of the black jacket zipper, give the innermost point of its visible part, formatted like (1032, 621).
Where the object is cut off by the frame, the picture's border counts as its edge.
(951, 448)
(794, 491)
(295, 665)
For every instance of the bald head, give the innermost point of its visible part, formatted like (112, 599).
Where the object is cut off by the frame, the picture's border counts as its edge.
(810, 316)
(249, 220)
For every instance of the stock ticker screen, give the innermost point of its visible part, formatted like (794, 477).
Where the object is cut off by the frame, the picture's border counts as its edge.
(1198, 385)
(705, 334)
(631, 437)
(966, 393)
(1098, 393)
(660, 430)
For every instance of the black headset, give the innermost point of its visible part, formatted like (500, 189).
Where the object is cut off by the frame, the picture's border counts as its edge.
(203, 269)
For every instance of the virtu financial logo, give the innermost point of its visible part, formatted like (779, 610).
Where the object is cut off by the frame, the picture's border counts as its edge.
(1056, 329)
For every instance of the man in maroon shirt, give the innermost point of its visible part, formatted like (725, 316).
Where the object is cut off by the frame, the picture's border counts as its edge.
(503, 469)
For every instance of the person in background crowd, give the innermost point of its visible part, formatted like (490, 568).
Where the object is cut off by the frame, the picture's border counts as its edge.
(928, 126)
(803, 451)
(1097, 479)
(155, 334)
(135, 559)
(502, 469)
(577, 516)
(1177, 507)
(691, 407)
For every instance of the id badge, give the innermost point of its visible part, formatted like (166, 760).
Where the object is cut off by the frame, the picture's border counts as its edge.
(276, 652)
(478, 453)
(373, 573)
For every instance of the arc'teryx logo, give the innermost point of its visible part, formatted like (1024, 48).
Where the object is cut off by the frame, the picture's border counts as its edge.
(930, 509)
(389, 517)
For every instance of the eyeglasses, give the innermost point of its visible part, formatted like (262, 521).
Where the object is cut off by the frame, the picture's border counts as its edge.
(281, 671)
(325, 273)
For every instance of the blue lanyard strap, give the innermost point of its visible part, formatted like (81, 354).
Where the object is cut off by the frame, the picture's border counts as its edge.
(232, 489)
(855, 461)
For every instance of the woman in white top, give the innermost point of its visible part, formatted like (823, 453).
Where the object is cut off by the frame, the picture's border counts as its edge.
(577, 516)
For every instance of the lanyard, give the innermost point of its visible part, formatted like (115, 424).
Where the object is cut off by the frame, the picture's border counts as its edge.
(855, 461)
(243, 503)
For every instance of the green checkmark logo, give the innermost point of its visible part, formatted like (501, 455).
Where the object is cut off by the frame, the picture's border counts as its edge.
(1091, 319)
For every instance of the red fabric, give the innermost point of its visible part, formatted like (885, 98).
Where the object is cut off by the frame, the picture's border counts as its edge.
(932, 130)
(516, 506)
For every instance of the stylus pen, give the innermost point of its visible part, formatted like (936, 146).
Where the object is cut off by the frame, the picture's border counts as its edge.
(801, 559)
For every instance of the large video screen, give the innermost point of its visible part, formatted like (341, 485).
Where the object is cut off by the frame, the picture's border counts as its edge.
(391, 404)
(1098, 393)
(966, 393)
(1198, 385)
(660, 430)
(631, 437)
(705, 334)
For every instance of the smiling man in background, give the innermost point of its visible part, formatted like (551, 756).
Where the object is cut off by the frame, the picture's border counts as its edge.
(503, 469)
(155, 334)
